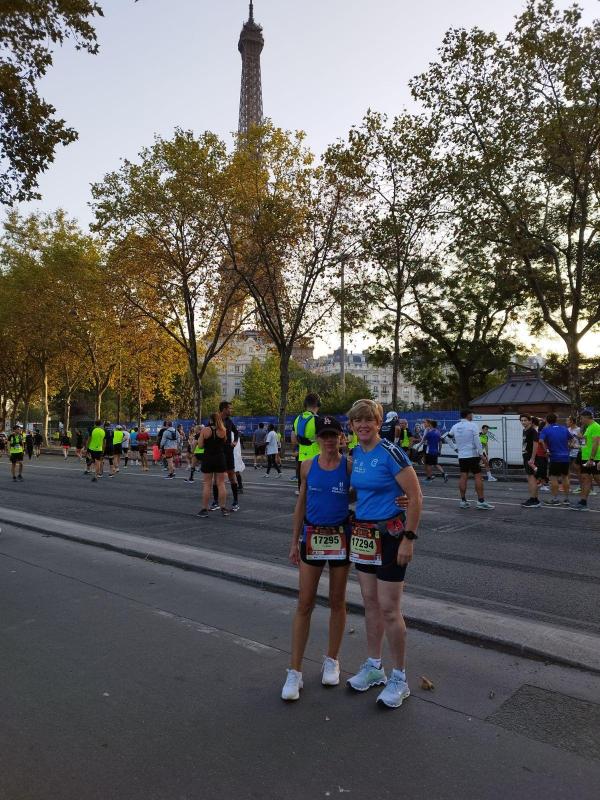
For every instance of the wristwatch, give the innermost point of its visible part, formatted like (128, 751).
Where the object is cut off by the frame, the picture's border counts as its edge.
(410, 535)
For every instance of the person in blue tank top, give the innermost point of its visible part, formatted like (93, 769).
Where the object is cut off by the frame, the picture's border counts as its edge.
(320, 536)
(381, 547)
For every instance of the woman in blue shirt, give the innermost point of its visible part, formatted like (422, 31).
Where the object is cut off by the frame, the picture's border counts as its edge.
(320, 536)
(381, 546)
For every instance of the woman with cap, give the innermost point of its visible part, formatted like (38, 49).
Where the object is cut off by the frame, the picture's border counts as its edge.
(320, 537)
(381, 547)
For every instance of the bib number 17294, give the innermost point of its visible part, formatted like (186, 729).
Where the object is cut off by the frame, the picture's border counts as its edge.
(365, 546)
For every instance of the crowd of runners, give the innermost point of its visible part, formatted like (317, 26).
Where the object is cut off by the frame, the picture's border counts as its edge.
(358, 501)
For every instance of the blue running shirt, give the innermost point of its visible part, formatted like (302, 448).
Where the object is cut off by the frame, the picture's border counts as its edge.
(556, 439)
(374, 478)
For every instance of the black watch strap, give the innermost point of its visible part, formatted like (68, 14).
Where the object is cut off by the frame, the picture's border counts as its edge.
(410, 535)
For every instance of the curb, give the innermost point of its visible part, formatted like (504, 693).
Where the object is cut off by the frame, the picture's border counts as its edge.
(484, 628)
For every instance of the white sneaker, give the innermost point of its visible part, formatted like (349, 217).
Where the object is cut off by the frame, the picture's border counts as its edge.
(491, 479)
(464, 504)
(544, 488)
(293, 684)
(331, 672)
(367, 676)
(483, 505)
(395, 692)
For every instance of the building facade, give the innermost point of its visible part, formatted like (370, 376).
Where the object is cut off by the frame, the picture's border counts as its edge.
(242, 350)
(378, 379)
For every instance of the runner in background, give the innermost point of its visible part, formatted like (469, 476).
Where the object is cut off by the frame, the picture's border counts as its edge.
(78, 444)
(390, 429)
(29, 444)
(271, 451)
(405, 437)
(466, 438)
(541, 457)
(230, 442)
(133, 447)
(38, 441)
(304, 433)
(590, 458)
(65, 443)
(96, 446)
(168, 446)
(258, 441)
(197, 452)
(556, 438)
(484, 438)
(575, 451)
(433, 448)
(3, 443)
(530, 438)
(143, 441)
(239, 465)
(16, 443)
(214, 467)
(118, 438)
(125, 447)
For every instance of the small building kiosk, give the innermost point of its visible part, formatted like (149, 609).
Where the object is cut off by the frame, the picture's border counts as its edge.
(525, 392)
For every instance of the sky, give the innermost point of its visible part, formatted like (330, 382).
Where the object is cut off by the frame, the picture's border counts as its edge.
(174, 63)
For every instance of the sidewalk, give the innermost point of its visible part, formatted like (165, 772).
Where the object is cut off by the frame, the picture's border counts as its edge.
(508, 633)
(126, 679)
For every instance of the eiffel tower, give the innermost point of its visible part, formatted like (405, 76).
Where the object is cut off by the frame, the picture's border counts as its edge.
(251, 46)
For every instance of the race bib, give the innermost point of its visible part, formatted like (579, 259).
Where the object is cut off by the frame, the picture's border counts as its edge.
(365, 546)
(324, 543)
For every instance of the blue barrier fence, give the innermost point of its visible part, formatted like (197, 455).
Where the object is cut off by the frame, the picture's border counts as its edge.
(247, 425)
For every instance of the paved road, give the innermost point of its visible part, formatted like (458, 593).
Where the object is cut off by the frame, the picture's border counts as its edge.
(134, 681)
(543, 564)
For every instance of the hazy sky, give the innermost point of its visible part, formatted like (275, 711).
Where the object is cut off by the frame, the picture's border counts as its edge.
(168, 63)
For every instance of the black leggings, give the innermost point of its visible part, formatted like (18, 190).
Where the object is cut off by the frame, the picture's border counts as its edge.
(271, 462)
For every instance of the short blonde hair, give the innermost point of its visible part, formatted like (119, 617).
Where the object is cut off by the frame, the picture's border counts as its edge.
(366, 409)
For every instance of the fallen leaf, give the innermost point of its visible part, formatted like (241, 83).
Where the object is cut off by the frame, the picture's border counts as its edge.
(426, 684)
(327, 719)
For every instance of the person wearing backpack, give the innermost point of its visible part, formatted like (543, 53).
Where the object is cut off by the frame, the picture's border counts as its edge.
(168, 444)
(304, 434)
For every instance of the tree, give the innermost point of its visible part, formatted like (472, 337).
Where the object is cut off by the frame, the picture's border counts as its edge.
(161, 220)
(261, 388)
(387, 167)
(29, 130)
(459, 318)
(519, 124)
(282, 235)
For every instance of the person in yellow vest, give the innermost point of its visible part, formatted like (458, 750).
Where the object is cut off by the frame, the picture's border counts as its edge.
(197, 452)
(405, 437)
(304, 434)
(118, 437)
(16, 449)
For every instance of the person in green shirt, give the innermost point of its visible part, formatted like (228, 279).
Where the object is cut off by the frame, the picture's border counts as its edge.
(95, 446)
(304, 434)
(15, 451)
(590, 457)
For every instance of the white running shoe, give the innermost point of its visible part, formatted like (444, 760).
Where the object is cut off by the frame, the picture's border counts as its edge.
(331, 672)
(395, 692)
(367, 676)
(293, 684)
(491, 479)
(464, 504)
(483, 505)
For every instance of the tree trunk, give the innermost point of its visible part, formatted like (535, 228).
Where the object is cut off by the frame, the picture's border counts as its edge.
(574, 387)
(26, 412)
(284, 387)
(464, 387)
(396, 363)
(98, 403)
(139, 388)
(197, 387)
(67, 411)
(45, 404)
(4, 412)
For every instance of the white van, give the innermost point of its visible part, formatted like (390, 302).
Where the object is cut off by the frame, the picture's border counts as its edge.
(505, 438)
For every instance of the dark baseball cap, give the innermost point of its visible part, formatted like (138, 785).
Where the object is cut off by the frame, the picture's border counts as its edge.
(327, 425)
